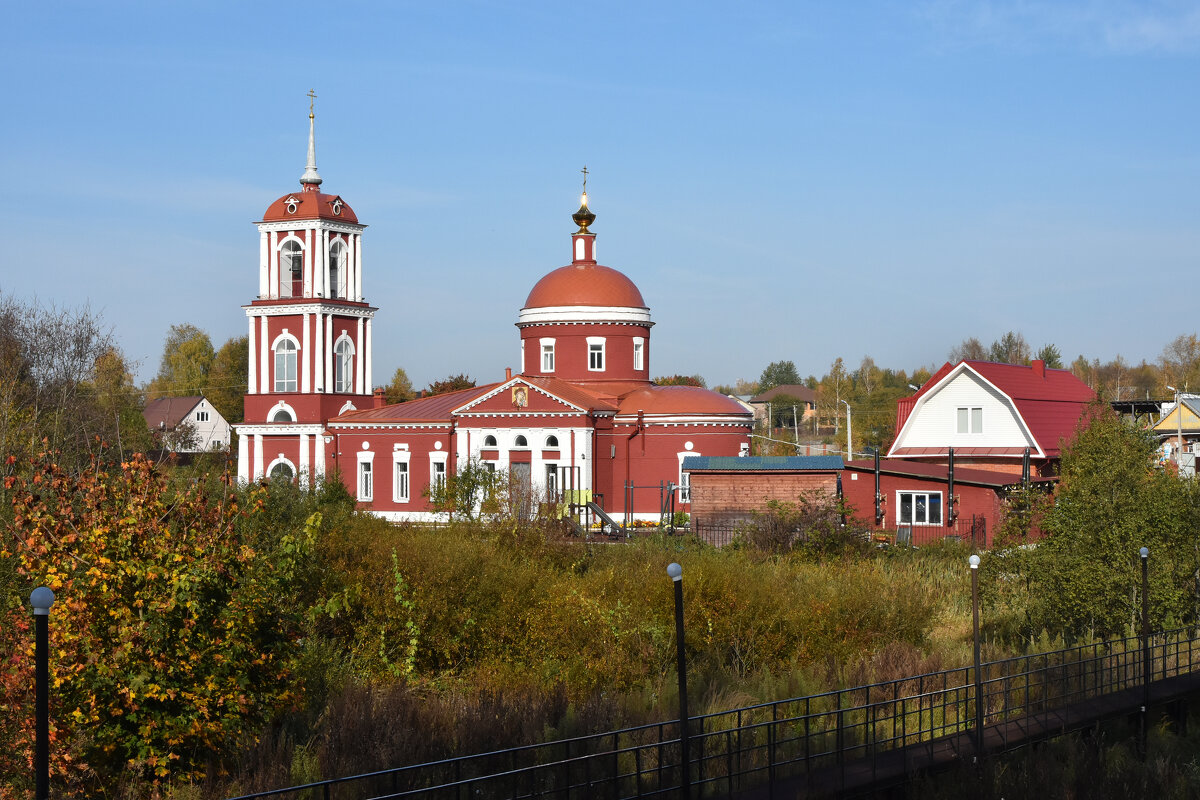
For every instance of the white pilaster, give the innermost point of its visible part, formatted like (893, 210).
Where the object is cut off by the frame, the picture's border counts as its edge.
(244, 455)
(311, 258)
(273, 267)
(358, 360)
(258, 456)
(252, 357)
(370, 387)
(264, 350)
(319, 361)
(324, 264)
(358, 268)
(328, 351)
(319, 457)
(264, 265)
(303, 466)
(305, 357)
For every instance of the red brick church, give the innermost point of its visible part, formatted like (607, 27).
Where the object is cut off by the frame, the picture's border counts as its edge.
(582, 415)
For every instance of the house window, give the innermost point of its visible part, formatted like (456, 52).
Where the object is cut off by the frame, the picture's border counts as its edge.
(547, 355)
(337, 270)
(285, 366)
(343, 366)
(919, 508)
(639, 360)
(201, 416)
(291, 269)
(365, 478)
(400, 491)
(595, 353)
(970, 420)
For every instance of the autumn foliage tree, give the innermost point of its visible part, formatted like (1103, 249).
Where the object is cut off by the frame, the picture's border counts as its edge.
(171, 636)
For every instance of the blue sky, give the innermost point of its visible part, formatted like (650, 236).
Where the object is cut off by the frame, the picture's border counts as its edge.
(782, 180)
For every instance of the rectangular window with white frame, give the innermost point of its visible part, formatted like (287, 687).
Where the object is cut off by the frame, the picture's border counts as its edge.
(366, 480)
(547, 355)
(201, 416)
(970, 420)
(639, 350)
(918, 508)
(595, 353)
(685, 479)
(437, 472)
(400, 491)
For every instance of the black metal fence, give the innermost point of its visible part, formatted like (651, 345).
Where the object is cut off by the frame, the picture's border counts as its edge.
(798, 740)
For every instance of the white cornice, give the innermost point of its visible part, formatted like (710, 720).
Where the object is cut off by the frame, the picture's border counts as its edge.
(277, 429)
(309, 307)
(580, 314)
(310, 225)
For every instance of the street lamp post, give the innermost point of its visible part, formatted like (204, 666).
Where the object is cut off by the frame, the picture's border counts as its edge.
(676, 573)
(41, 599)
(1145, 555)
(974, 562)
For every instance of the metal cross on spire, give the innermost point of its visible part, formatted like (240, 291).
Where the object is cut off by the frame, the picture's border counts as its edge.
(312, 95)
(585, 174)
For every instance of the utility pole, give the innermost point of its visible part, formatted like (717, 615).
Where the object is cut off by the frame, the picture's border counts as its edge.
(849, 438)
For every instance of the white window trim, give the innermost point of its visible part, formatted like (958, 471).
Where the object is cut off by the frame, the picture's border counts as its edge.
(597, 340)
(364, 457)
(282, 406)
(291, 237)
(346, 377)
(279, 340)
(336, 245)
(684, 487)
(401, 457)
(969, 420)
(547, 342)
(927, 494)
(282, 460)
(639, 353)
(435, 458)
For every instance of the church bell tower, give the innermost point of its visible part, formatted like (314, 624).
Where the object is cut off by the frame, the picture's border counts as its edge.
(309, 330)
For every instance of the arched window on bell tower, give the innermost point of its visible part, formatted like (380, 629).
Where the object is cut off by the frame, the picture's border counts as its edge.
(285, 365)
(337, 271)
(343, 366)
(291, 269)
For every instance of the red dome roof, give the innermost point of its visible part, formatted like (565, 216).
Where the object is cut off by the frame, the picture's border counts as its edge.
(585, 285)
(311, 205)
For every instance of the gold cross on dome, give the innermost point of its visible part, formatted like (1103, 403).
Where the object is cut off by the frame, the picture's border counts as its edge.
(585, 174)
(312, 95)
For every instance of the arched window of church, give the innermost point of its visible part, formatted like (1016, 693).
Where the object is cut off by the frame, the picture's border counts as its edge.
(552, 442)
(282, 471)
(489, 441)
(282, 415)
(343, 366)
(337, 271)
(285, 366)
(521, 441)
(291, 270)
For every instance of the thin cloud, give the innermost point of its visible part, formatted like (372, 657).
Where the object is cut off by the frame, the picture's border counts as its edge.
(1168, 27)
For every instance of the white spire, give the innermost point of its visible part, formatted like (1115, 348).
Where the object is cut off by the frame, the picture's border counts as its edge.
(310, 176)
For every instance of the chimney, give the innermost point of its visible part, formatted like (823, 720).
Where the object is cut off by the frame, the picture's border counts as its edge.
(1039, 367)
(380, 401)
(508, 373)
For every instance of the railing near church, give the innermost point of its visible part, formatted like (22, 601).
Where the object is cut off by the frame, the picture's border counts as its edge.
(804, 740)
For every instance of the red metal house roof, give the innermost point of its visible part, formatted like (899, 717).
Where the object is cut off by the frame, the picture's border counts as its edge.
(1050, 401)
